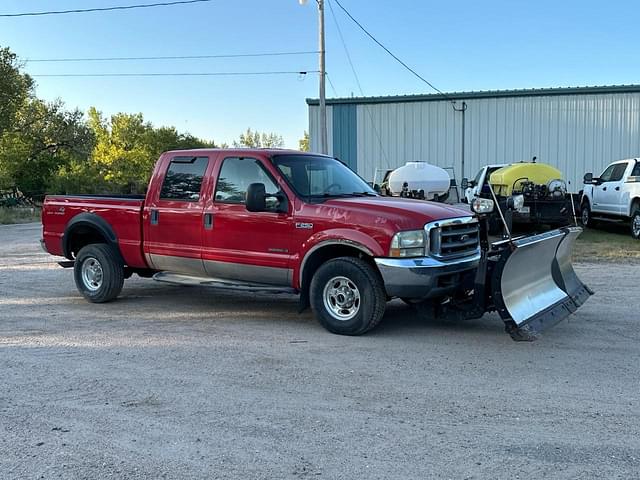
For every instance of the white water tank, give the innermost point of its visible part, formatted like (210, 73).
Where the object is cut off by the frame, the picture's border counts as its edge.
(420, 176)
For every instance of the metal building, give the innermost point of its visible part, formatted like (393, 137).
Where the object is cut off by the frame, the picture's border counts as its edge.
(577, 130)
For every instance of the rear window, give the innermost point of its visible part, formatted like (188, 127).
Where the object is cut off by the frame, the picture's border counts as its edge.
(183, 180)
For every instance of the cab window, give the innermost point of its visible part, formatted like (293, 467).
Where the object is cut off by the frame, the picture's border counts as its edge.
(636, 170)
(614, 173)
(606, 175)
(235, 177)
(183, 180)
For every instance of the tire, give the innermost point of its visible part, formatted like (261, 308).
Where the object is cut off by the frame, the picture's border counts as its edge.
(347, 296)
(98, 272)
(635, 223)
(585, 216)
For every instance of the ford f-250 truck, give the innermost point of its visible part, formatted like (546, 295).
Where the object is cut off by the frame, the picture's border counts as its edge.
(287, 221)
(614, 195)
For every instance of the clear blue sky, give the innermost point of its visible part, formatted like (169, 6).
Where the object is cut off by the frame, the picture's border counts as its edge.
(461, 45)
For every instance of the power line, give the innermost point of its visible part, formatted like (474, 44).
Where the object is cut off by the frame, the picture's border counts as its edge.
(173, 57)
(344, 45)
(176, 74)
(393, 55)
(104, 9)
(331, 84)
(355, 74)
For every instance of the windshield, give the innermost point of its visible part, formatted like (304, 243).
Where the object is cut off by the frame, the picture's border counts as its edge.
(321, 177)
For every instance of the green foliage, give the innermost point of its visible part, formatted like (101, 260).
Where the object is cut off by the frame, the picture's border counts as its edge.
(15, 88)
(19, 215)
(43, 138)
(127, 148)
(254, 139)
(46, 148)
(303, 143)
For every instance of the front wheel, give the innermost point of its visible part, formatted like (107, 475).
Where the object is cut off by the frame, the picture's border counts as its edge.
(635, 224)
(98, 272)
(585, 216)
(348, 296)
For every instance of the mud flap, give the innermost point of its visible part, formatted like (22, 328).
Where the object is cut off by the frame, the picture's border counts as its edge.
(534, 285)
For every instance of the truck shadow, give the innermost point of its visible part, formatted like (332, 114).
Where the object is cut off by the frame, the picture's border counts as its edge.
(399, 319)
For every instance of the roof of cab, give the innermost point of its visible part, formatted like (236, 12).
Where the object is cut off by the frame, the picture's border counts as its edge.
(243, 151)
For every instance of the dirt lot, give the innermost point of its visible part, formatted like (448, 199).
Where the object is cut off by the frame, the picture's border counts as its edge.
(172, 382)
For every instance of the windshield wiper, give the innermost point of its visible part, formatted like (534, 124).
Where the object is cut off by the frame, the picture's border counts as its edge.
(365, 194)
(343, 195)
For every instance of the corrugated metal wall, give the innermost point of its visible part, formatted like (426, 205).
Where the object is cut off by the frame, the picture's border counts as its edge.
(576, 132)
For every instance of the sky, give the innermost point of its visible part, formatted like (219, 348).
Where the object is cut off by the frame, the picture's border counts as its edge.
(461, 45)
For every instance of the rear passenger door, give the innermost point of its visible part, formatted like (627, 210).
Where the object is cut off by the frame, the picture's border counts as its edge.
(174, 215)
(241, 245)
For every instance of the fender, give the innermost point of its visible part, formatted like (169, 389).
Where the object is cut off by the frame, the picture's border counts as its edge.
(95, 222)
(337, 236)
(634, 201)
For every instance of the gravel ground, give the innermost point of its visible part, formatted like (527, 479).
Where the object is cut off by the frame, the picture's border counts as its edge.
(173, 382)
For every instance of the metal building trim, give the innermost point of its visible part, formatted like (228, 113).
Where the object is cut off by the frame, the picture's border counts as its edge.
(436, 97)
(345, 134)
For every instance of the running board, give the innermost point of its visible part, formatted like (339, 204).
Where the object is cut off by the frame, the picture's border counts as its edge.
(193, 281)
(609, 219)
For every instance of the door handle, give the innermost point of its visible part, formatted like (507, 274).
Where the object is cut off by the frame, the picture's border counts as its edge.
(617, 189)
(155, 217)
(604, 189)
(208, 221)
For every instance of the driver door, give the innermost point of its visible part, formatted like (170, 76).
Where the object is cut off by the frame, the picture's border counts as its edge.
(606, 196)
(246, 246)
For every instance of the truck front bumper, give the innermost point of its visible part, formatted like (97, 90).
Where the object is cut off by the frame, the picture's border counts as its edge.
(424, 277)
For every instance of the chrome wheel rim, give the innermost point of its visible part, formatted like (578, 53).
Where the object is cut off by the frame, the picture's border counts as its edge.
(341, 298)
(92, 274)
(635, 226)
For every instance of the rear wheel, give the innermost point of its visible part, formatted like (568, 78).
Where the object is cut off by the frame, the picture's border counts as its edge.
(347, 296)
(635, 223)
(98, 273)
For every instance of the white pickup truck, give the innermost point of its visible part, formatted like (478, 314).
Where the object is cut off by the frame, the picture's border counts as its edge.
(614, 195)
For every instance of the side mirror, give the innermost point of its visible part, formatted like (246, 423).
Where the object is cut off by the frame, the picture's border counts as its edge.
(588, 178)
(377, 188)
(464, 184)
(256, 197)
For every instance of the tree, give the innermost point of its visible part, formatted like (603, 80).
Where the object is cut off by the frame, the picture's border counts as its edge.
(255, 139)
(303, 143)
(127, 148)
(15, 88)
(43, 138)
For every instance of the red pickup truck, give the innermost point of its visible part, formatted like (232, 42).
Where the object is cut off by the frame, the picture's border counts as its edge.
(274, 221)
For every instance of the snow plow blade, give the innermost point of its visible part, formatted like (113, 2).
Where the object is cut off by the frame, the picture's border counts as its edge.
(534, 285)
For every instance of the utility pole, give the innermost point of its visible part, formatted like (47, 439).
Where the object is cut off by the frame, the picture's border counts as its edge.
(463, 110)
(323, 103)
(324, 149)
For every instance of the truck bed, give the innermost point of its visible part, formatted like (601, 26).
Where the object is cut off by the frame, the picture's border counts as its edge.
(122, 212)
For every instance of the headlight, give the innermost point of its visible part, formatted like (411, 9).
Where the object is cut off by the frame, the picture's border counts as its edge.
(408, 244)
(517, 202)
(482, 205)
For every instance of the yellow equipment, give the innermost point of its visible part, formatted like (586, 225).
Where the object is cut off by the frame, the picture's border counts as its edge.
(512, 177)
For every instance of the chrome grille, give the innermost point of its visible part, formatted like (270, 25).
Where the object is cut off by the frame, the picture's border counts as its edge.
(454, 237)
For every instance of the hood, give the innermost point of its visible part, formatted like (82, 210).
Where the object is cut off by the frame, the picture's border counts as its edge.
(406, 214)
